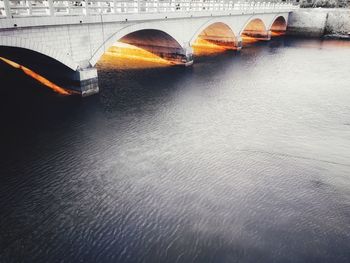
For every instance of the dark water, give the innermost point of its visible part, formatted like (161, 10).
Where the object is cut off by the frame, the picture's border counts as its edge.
(241, 158)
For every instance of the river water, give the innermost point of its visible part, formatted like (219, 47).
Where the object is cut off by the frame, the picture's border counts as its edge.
(240, 158)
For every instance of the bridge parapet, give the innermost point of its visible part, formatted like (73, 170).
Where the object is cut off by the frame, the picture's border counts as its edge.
(37, 8)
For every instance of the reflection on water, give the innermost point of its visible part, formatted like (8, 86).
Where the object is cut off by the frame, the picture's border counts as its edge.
(243, 157)
(125, 52)
(202, 47)
(277, 33)
(37, 77)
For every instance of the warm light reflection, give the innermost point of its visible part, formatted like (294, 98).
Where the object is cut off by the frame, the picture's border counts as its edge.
(202, 46)
(202, 43)
(123, 50)
(37, 77)
(250, 40)
(277, 33)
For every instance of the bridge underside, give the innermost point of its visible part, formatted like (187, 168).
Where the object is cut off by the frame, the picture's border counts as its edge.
(155, 42)
(254, 31)
(279, 26)
(217, 36)
(39, 63)
(50, 72)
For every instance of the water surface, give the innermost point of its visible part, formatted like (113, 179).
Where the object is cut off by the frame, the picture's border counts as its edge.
(241, 158)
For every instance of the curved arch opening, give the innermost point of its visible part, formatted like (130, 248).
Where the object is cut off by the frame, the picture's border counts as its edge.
(45, 70)
(148, 45)
(279, 27)
(217, 37)
(254, 31)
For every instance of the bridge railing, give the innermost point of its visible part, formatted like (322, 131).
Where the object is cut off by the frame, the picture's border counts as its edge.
(23, 8)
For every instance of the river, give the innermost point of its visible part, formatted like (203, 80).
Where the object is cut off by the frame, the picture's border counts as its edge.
(240, 158)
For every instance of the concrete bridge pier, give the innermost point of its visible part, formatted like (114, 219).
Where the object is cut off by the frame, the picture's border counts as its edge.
(86, 81)
(188, 54)
(239, 43)
(268, 35)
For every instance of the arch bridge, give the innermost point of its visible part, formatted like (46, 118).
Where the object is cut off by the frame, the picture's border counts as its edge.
(71, 36)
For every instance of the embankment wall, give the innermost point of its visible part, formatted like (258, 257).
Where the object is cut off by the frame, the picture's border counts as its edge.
(318, 22)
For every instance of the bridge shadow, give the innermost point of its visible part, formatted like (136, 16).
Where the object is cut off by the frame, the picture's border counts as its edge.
(27, 108)
(124, 89)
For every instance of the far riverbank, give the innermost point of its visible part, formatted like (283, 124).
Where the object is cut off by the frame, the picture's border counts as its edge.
(320, 22)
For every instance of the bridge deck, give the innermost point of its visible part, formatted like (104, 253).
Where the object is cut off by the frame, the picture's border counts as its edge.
(48, 12)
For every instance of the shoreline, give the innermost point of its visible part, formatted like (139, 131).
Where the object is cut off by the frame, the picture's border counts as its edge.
(337, 37)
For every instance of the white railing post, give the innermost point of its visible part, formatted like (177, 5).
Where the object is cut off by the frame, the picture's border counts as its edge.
(115, 6)
(66, 3)
(86, 8)
(51, 9)
(29, 4)
(7, 8)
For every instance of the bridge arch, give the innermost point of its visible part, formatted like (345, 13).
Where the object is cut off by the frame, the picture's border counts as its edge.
(208, 24)
(130, 34)
(278, 25)
(254, 29)
(254, 24)
(27, 44)
(214, 34)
